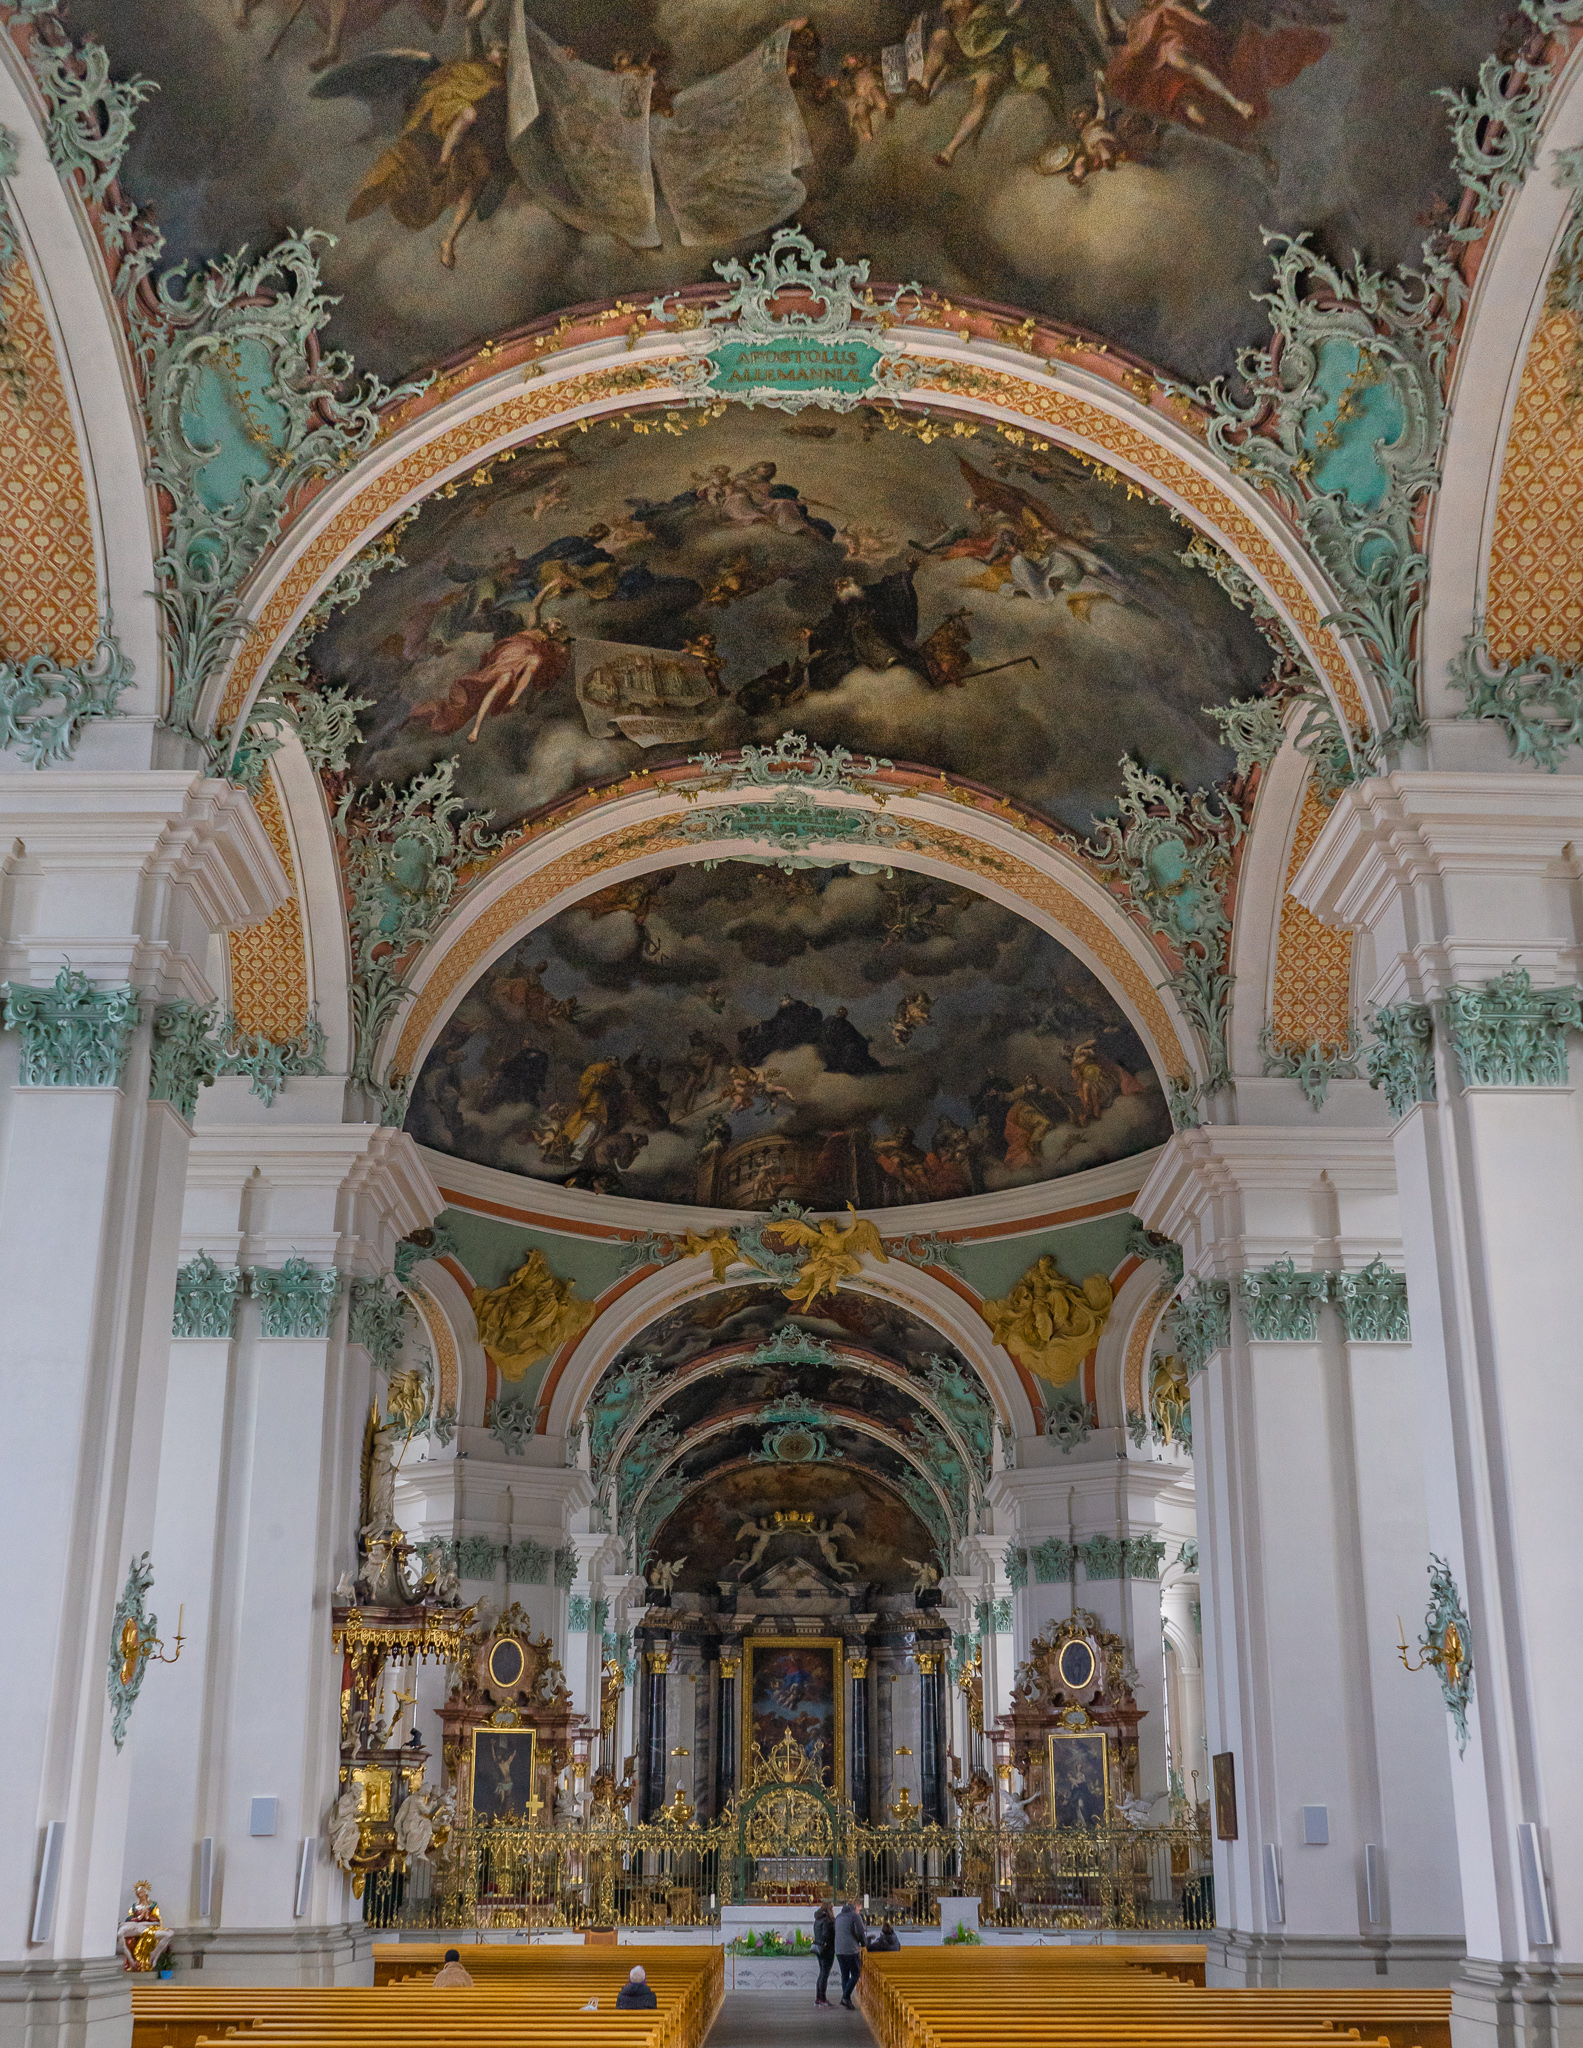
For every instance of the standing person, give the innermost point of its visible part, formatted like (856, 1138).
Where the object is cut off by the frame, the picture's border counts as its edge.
(824, 1950)
(850, 1934)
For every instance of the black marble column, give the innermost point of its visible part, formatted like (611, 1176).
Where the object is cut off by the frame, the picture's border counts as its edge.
(857, 1736)
(726, 1743)
(930, 1737)
(656, 1664)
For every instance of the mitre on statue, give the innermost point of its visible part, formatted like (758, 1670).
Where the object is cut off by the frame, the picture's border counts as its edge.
(1049, 1323)
(531, 1315)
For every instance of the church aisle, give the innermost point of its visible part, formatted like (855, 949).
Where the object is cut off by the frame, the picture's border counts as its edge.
(785, 2019)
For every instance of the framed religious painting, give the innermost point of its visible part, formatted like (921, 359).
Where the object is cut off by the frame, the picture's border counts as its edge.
(1079, 1778)
(1224, 1770)
(792, 1687)
(502, 1775)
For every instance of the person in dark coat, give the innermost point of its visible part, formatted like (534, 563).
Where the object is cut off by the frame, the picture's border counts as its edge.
(886, 1940)
(849, 1937)
(637, 1994)
(824, 1951)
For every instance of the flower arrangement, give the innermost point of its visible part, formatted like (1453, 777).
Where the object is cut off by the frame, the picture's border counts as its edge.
(964, 1937)
(772, 1943)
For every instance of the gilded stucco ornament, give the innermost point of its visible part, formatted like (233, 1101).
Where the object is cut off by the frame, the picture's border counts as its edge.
(73, 1035)
(1048, 1323)
(1171, 851)
(401, 853)
(1401, 1057)
(1373, 1304)
(1508, 1034)
(529, 1316)
(1171, 1401)
(1202, 1321)
(295, 1299)
(831, 1252)
(1282, 1305)
(206, 1298)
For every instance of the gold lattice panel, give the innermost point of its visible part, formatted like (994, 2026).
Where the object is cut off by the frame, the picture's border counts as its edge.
(1535, 600)
(1313, 961)
(269, 965)
(49, 594)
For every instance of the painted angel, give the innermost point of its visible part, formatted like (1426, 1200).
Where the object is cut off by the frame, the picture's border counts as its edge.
(834, 1254)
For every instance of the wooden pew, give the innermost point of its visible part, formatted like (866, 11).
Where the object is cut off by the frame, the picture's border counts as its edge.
(519, 1994)
(1111, 1998)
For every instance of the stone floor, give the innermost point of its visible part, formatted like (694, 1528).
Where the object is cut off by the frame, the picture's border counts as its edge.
(780, 2019)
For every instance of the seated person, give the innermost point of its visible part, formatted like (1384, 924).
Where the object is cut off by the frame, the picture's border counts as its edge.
(637, 1994)
(886, 1939)
(451, 1976)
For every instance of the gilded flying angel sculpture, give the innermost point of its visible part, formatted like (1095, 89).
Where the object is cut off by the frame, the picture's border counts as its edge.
(834, 1254)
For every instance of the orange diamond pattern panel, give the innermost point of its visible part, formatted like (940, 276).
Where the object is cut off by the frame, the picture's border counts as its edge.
(269, 967)
(1535, 602)
(1313, 961)
(49, 594)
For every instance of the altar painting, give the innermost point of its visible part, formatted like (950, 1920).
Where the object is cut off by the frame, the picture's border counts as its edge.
(502, 1780)
(794, 1688)
(1079, 1780)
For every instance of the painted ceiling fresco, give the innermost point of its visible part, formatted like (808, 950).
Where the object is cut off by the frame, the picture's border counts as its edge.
(747, 1315)
(742, 1036)
(749, 1387)
(703, 1530)
(617, 601)
(1107, 162)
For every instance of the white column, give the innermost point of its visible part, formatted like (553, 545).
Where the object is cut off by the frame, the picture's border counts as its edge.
(1311, 1523)
(1452, 876)
(127, 876)
(279, 1421)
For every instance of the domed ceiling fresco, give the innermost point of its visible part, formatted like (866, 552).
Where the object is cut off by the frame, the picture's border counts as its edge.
(611, 601)
(743, 1036)
(1110, 163)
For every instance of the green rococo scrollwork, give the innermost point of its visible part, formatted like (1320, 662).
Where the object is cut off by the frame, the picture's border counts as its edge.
(1341, 423)
(1537, 701)
(401, 853)
(188, 1051)
(1313, 1067)
(1282, 1305)
(1447, 1642)
(73, 1035)
(45, 703)
(1171, 851)
(377, 1318)
(242, 413)
(528, 1562)
(1373, 1304)
(795, 827)
(1508, 1034)
(1401, 1058)
(1202, 1319)
(206, 1299)
(794, 1434)
(294, 1299)
(511, 1424)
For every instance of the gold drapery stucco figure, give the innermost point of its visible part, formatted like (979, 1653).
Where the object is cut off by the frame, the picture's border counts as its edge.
(1170, 1398)
(1049, 1323)
(834, 1254)
(720, 1248)
(528, 1317)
